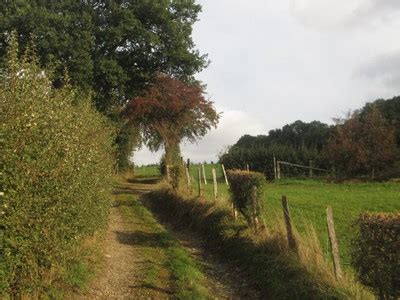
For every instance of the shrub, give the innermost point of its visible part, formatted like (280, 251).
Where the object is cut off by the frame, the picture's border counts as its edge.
(376, 255)
(55, 178)
(246, 190)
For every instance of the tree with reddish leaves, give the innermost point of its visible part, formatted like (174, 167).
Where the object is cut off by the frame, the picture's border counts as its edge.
(169, 112)
(363, 144)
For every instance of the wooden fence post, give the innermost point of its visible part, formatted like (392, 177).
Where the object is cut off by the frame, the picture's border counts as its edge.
(188, 164)
(204, 173)
(168, 173)
(334, 244)
(189, 183)
(288, 222)
(214, 174)
(311, 171)
(247, 168)
(199, 182)
(234, 211)
(275, 175)
(254, 203)
(224, 172)
(278, 167)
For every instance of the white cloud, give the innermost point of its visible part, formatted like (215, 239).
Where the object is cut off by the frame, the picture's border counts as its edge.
(342, 14)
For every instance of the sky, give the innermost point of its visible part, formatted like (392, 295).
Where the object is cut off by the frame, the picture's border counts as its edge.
(275, 62)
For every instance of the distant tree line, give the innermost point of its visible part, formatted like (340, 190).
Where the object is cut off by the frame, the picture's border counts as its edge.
(366, 144)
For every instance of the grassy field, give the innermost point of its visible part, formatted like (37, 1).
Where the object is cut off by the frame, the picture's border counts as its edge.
(308, 200)
(147, 171)
(153, 170)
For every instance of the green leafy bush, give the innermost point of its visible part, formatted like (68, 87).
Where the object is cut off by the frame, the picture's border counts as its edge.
(55, 178)
(376, 255)
(246, 190)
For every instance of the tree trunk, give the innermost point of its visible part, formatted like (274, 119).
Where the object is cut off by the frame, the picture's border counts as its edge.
(173, 159)
(172, 153)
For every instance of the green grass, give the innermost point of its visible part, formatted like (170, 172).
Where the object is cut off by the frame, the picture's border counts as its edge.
(308, 200)
(79, 275)
(147, 171)
(165, 253)
(152, 170)
(208, 170)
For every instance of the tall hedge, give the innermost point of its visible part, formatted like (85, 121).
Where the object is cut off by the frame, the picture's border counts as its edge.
(376, 253)
(55, 184)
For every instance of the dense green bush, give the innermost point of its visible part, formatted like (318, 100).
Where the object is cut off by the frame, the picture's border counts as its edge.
(57, 164)
(376, 255)
(247, 190)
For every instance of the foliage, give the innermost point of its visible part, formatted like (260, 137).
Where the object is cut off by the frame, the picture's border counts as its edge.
(376, 255)
(169, 112)
(298, 135)
(162, 166)
(390, 110)
(364, 144)
(297, 143)
(110, 47)
(127, 139)
(247, 191)
(56, 175)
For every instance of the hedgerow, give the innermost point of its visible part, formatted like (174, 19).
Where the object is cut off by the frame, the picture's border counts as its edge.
(247, 190)
(376, 255)
(55, 178)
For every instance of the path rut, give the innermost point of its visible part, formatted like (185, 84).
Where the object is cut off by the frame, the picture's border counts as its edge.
(122, 274)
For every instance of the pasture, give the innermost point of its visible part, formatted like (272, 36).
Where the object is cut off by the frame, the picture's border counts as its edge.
(308, 200)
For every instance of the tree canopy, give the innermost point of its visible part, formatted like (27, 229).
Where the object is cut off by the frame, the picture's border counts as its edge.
(364, 144)
(171, 111)
(113, 47)
(297, 134)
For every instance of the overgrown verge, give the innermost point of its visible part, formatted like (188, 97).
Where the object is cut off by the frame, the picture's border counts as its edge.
(188, 282)
(55, 181)
(277, 272)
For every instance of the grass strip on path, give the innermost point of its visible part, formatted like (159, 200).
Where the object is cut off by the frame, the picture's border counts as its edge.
(164, 253)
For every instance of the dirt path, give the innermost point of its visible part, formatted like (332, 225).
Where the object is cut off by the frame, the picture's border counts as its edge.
(134, 266)
(122, 267)
(225, 281)
(126, 266)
